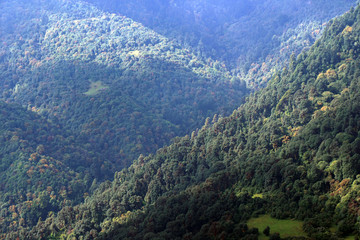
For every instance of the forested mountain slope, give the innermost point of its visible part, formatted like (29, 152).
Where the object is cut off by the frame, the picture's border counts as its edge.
(39, 170)
(254, 38)
(292, 150)
(118, 86)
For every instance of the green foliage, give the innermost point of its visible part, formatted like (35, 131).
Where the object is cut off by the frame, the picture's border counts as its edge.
(35, 174)
(293, 142)
(151, 88)
(296, 142)
(286, 228)
(254, 38)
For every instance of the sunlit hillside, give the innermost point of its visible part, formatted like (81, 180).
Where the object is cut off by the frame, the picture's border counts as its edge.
(290, 152)
(179, 119)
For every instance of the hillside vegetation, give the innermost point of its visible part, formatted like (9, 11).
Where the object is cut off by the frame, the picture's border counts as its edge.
(83, 93)
(119, 87)
(253, 38)
(291, 151)
(37, 173)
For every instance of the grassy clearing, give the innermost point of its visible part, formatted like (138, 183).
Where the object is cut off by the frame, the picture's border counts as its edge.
(350, 238)
(334, 228)
(95, 88)
(286, 228)
(135, 53)
(258, 195)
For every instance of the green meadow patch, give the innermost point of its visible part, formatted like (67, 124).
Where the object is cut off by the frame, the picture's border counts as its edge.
(334, 229)
(135, 53)
(96, 88)
(286, 228)
(258, 195)
(350, 238)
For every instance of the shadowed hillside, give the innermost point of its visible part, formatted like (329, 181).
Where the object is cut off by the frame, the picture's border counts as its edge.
(291, 151)
(253, 38)
(118, 86)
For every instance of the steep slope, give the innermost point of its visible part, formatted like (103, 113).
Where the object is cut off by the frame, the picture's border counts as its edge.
(292, 150)
(254, 38)
(119, 86)
(37, 170)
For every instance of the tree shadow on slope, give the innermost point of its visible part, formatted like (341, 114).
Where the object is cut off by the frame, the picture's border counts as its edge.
(132, 111)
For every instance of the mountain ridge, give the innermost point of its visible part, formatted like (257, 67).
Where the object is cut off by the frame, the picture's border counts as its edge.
(290, 151)
(77, 57)
(244, 35)
(294, 144)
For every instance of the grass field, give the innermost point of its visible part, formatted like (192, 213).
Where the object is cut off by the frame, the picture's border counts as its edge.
(286, 228)
(333, 229)
(350, 238)
(95, 88)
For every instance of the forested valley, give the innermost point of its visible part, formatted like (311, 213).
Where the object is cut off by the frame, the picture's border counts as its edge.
(114, 126)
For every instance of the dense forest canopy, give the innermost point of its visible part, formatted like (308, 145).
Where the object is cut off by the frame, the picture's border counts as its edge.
(117, 85)
(244, 34)
(291, 151)
(115, 119)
